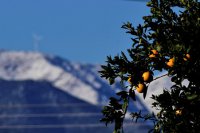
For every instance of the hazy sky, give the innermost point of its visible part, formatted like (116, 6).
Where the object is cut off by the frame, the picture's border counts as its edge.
(79, 30)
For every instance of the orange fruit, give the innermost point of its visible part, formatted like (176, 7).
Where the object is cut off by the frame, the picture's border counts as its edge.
(140, 87)
(155, 52)
(187, 56)
(152, 56)
(172, 59)
(185, 59)
(146, 76)
(178, 112)
(170, 63)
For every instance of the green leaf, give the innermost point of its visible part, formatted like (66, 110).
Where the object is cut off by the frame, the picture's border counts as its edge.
(125, 105)
(111, 81)
(192, 97)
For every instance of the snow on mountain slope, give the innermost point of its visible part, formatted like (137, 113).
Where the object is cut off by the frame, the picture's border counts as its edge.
(63, 74)
(79, 80)
(38, 76)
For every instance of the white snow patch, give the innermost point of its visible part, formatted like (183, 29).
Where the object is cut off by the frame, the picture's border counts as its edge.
(33, 66)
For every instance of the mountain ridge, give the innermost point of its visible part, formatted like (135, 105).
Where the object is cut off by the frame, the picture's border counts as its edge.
(36, 66)
(34, 97)
(81, 81)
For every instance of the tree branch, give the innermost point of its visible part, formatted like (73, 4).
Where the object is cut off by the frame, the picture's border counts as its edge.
(160, 77)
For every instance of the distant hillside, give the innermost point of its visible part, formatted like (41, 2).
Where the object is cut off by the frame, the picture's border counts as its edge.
(45, 93)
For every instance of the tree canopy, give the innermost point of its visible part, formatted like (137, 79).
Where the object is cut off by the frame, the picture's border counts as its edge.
(168, 40)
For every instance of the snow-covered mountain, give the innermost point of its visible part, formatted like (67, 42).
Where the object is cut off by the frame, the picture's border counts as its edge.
(30, 81)
(78, 80)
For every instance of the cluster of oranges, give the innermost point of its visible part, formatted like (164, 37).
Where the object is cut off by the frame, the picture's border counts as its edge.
(187, 57)
(147, 76)
(154, 53)
(171, 61)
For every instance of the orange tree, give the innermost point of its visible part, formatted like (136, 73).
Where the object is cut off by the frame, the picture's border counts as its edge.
(168, 40)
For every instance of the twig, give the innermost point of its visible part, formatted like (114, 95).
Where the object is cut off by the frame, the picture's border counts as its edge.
(160, 76)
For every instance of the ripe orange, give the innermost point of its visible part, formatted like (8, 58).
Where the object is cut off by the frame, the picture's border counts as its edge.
(178, 112)
(146, 76)
(140, 87)
(187, 57)
(152, 56)
(155, 52)
(170, 63)
(172, 59)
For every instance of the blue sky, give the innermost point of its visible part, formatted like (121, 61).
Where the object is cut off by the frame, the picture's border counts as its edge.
(79, 30)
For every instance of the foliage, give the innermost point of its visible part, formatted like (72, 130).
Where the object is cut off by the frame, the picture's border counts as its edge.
(168, 40)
